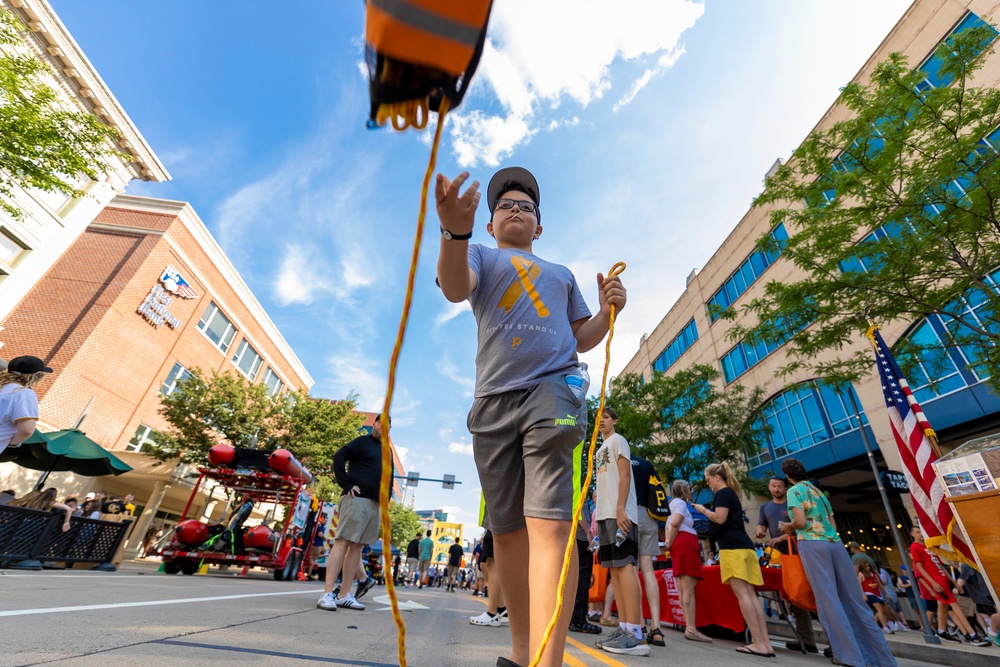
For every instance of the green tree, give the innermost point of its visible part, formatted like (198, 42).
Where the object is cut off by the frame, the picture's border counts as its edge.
(683, 422)
(42, 144)
(221, 407)
(893, 214)
(315, 428)
(405, 524)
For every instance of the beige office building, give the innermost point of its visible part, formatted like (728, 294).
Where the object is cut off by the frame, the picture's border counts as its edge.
(813, 423)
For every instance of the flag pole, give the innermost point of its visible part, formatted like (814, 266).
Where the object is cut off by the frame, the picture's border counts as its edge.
(929, 636)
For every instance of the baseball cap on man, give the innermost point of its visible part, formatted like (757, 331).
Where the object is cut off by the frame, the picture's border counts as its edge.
(518, 175)
(27, 365)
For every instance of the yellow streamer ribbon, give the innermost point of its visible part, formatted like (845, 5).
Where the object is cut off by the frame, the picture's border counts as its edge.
(410, 115)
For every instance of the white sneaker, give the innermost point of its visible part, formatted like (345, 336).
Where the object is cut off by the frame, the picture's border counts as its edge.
(350, 602)
(486, 618)
(503, 617)
(328, 602)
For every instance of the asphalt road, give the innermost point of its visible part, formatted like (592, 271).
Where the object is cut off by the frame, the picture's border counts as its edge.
(88, 619)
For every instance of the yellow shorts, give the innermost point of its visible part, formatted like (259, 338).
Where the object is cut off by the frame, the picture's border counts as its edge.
(741, 564)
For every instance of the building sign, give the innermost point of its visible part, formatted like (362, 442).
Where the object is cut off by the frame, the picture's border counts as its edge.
(895, 481)
(155, 308)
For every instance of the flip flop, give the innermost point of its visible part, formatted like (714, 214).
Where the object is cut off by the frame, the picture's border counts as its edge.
(749, 651)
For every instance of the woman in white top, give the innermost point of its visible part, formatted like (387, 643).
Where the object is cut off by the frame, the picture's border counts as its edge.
(18, 402)
(685, 555)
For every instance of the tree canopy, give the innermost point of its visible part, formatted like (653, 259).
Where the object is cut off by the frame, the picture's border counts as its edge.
(405, 524)
(206, 410)
(43, 144)
(893, 215)
(682, 422)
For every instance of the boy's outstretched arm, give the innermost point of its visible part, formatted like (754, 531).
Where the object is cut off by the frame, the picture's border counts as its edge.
(589, 333)
(457, 215)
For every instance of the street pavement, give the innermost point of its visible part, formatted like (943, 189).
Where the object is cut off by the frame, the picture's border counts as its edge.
(79, 618)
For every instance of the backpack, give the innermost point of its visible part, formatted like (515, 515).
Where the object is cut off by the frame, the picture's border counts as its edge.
(701, 523)
(657, 502)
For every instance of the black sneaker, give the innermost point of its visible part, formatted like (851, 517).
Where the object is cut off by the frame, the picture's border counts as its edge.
(976, 640)
(947, 637)
(828, 652)
(797, 646)
(364, 586)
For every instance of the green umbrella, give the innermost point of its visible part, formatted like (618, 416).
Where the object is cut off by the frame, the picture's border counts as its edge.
(69, 450)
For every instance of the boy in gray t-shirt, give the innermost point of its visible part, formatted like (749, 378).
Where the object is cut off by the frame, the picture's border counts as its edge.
(525, 421)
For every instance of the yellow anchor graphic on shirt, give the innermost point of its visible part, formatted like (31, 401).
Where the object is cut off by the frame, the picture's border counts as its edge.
(526, 273)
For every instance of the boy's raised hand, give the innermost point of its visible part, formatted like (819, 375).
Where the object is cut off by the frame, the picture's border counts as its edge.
(456, 212)
(611, 293)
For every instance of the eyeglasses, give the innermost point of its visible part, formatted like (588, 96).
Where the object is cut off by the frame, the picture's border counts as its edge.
(526, 206)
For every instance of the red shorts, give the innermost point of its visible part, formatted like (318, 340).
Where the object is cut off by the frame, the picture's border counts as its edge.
(685, 554)
(928, 593)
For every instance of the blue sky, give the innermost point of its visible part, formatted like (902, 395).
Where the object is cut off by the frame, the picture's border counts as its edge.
(649, 123)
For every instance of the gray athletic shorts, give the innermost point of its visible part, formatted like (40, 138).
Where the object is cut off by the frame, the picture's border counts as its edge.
(523, 442)
(649, 534)
(358, 520)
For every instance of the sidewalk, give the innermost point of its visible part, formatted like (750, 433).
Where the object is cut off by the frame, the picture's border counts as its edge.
(911, 645)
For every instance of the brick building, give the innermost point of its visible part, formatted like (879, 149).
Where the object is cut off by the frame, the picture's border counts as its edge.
(143, 295)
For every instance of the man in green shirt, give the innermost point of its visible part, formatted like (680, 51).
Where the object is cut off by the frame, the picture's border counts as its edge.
(426, 553)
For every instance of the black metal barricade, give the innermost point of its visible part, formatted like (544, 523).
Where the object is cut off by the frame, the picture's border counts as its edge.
(30, 537)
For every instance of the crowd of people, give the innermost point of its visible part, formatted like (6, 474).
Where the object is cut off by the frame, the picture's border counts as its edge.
(528, 423)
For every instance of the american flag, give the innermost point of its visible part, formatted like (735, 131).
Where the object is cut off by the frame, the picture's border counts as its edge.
(173, 282)
(913, 432)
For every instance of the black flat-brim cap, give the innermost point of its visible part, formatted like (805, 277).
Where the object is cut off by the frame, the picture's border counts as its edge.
(511, 175)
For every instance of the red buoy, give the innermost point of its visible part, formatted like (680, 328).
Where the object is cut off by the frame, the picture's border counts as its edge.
(221, 455)
(260, 537)
(191, 532)
(285, 463)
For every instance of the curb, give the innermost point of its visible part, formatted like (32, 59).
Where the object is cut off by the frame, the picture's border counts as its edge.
(943, 654)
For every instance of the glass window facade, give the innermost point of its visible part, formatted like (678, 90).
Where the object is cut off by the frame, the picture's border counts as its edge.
(803, 416)
(144, 435)
(933, 78)
(931, 68)
(751, 269)
(177, 374)
(247, 360)
(676, 347)
(272, 382)
(745, 356)
(217, 327)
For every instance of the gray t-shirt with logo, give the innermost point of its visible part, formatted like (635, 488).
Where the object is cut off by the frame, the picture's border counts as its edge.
(524, 307)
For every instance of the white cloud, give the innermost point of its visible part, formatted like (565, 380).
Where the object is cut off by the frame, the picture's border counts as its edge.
(527, 70)
(302, 275)
(665, 62)
(451, 311)
(460, 448)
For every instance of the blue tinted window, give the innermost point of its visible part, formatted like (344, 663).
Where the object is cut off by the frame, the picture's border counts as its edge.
(749, 271)
(803, 416)
(681, 342)
(931, 69)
